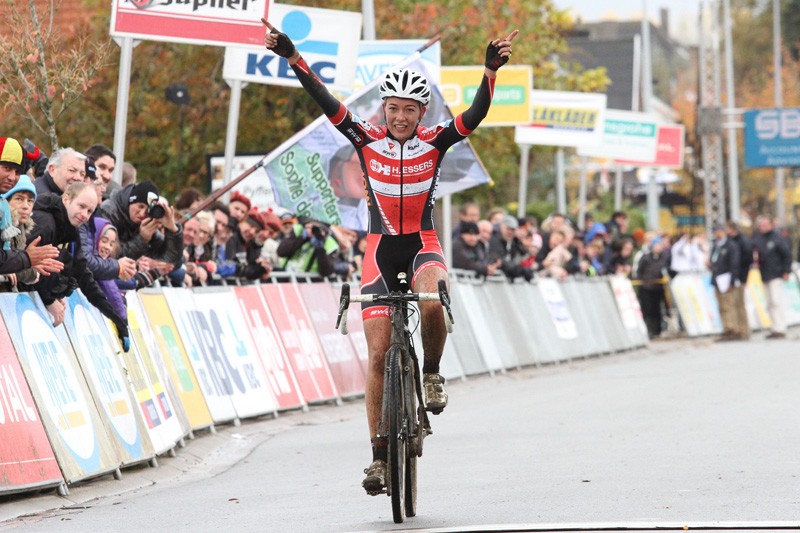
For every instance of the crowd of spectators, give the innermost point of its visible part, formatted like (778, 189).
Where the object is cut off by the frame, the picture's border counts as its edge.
(64, 224)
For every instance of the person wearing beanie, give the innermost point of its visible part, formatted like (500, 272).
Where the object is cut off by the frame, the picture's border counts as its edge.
(468, 255)
(245, 248)
(139, 234)
(20, 200)
(239, 206)
(42, 258)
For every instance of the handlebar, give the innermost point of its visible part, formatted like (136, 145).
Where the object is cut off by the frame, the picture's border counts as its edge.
(346, 299)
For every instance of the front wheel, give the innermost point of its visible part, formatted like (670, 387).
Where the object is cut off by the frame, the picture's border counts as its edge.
(411, 485)
(397, 438)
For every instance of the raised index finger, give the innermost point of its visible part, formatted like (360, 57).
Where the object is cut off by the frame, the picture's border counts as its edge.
(510, 35)
(267, 24)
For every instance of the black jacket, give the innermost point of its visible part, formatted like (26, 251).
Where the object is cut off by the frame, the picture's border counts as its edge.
(469, 257)
(46, 184)
(651, 269)
(745, 256)
(53, 225)
(163, 246)
(725, 259)
(774, 255)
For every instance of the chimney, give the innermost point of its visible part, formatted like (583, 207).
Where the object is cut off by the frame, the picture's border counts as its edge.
(665, 20)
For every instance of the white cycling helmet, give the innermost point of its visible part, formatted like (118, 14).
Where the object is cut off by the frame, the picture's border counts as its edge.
(405, 83)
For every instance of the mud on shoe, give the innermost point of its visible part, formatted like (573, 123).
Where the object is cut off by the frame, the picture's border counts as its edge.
(435, 395)
(375, 482)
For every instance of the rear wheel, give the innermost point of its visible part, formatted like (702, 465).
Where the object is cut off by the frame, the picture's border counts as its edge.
(397, 442)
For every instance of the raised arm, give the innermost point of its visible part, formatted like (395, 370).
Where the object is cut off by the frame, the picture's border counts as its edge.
(282, 45)
(498, 53)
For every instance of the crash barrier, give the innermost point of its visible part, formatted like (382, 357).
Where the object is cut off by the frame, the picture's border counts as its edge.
(696, 302)
(74, 406)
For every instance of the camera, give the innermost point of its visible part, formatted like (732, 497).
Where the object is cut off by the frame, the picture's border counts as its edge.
(318, 232)
(154, 208)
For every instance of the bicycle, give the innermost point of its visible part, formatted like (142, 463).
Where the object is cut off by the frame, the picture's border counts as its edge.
(404, 419)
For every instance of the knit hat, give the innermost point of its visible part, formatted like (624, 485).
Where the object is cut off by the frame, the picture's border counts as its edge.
(140, 192)
(470, 227)
(11, 153)
(254, 218)
(236, 196)
(270, 220)
(24, 184)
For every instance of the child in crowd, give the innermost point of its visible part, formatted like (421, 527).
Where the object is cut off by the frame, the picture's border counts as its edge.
(20, 201)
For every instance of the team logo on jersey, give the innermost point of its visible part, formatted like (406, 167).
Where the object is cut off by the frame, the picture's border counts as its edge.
(380, 168)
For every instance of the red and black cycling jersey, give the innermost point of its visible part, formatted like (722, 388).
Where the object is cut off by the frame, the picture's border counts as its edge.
(399, 178)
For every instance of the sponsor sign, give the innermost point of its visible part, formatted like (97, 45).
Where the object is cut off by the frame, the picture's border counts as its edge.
(26, 459)
(511, 103)
(214, 378)
(696, 305)
(69, 415)
(217, 321)
(104, 376)
(300, 341)
(317, 172)
(210, 22)
(342, 360)
(758, 300)
(626, 135)
(377, 57)
(562, 118)
(327, 38)
(267, 341)
(772, 138)
(669, 149)
(559, 310)
(628, 304)
(159, 408)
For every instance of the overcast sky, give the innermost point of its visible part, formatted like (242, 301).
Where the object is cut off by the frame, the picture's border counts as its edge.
(683, 13)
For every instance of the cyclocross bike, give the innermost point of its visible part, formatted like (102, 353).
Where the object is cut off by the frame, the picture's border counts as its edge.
(404, 420)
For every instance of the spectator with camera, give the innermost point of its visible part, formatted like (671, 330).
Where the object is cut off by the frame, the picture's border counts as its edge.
(145, 223)
(57, 220)
(309, 248)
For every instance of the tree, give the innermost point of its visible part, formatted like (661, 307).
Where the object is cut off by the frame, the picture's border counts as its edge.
(42, 73)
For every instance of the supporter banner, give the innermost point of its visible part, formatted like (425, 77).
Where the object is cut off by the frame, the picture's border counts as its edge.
(216, 23)
(511, 102)
(159, 408)
(219, 323)
(26, 459)
(628, 305)
(79, 439)
(219, 404)
(317, 173)
(157, 322)
(213, 378)
(376, 57)
(562, 118)
(342, 360)
(103, 374)
(355, 327)
(559, 311)
(758, 299)
(267, 341)
(300, 341)
(626, 135)
(771, 138)
(327, 38)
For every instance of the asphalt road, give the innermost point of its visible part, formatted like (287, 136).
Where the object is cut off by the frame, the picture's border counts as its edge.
(684, 433)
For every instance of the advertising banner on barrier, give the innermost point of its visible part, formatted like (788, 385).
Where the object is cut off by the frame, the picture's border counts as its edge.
(218, 321)
(267, 341)
(758, 299)
(157, 321)
(793, 300)
(79, 439)
(212, 378)
(559, 311)
(628, 304)
(26, 459)
(355, 327)
(700, 316)
(300, 341)
(109, 387)
(149, 383)
(339, 352)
